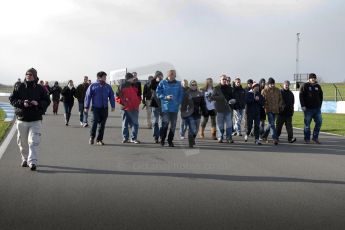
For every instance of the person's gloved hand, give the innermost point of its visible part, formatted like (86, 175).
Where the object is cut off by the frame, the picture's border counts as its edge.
(304, 108)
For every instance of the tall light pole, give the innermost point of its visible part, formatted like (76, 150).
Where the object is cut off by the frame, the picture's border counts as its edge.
(297, 54)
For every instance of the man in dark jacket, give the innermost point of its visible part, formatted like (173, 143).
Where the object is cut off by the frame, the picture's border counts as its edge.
(155, 105)
(56, 94)
(239, 94)
(223, 98)
(286, 112)
(80, 95)
(30, 101)
(311, 97)
(147, 95)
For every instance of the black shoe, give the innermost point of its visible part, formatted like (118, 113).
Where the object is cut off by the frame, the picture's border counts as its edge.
(33, 167)
(230, 141)
(156, 141)
(171, 144)
(292, 140)
(125, 141)
(24, 164)
(162, 143)
(91, 141)
(66, 124)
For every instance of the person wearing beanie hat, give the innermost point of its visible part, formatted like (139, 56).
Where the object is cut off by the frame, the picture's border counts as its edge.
(156, 107)
(273, 103)
(146, 101)
(286, 113)
(254, 102)
(311, 98)
(100, 93)
(170, 93)
(127, 95)
(30, 101)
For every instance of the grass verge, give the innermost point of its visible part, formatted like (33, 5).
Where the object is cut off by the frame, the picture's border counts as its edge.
(3, 125)
(331, 122)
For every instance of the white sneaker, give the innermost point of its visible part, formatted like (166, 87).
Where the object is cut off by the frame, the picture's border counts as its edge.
(246, 138)
(182, 137)
(81, 123)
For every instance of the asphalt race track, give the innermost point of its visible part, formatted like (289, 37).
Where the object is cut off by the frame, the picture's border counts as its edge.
(145, 186)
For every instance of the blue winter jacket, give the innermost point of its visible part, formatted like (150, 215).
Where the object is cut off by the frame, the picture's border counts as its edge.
(166, 88)
(99, 94)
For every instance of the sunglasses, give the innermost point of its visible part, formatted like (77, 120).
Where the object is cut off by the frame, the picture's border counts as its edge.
(29, 74)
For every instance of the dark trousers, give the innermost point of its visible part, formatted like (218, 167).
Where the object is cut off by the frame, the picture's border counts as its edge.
(68, 109)
(55, 106)
(287, 120)
(168, 117)
(100, 116)
(253, 118)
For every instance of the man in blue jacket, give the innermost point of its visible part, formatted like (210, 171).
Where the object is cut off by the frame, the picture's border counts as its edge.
(170, 93)
(99, 92)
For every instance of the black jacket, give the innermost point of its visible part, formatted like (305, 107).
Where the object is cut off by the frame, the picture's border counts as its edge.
(193, 104)
(68, 95)
(147, 94)
(288, 103)
(56, 93)
(155, 101)
(240, 95)
(311, 96)
(80, 92)
(221, 95)
(30, 91)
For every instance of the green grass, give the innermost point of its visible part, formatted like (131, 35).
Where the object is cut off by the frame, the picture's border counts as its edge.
(331, 122)
(3, 125)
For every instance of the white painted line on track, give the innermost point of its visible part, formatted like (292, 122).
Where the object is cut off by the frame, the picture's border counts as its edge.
(7, 140)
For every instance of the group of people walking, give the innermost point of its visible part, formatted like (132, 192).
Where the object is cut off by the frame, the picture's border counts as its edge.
(226, 104)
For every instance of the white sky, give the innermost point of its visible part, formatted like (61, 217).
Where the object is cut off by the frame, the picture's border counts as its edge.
(67, 39)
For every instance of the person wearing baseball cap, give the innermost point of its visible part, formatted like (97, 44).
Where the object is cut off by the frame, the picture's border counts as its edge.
(311, 98)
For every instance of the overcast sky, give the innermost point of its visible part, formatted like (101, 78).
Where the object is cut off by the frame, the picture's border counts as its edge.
(67, 39)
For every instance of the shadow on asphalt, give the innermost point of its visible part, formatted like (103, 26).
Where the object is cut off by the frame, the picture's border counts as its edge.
(235, 178)
(239, 146)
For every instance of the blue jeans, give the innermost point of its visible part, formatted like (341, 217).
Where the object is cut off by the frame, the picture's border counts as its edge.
(130, 118)
(183, 127)
(156, 118)
(308, 115)
(82, 115)
(238, 115)
(224, 118)
(193, 124)
(271, 117)
(168, 117)
(100, 116)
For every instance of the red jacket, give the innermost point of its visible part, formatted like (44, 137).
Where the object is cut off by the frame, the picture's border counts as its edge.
(127, 96)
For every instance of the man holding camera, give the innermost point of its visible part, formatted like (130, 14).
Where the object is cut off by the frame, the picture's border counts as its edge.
(30, 101)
